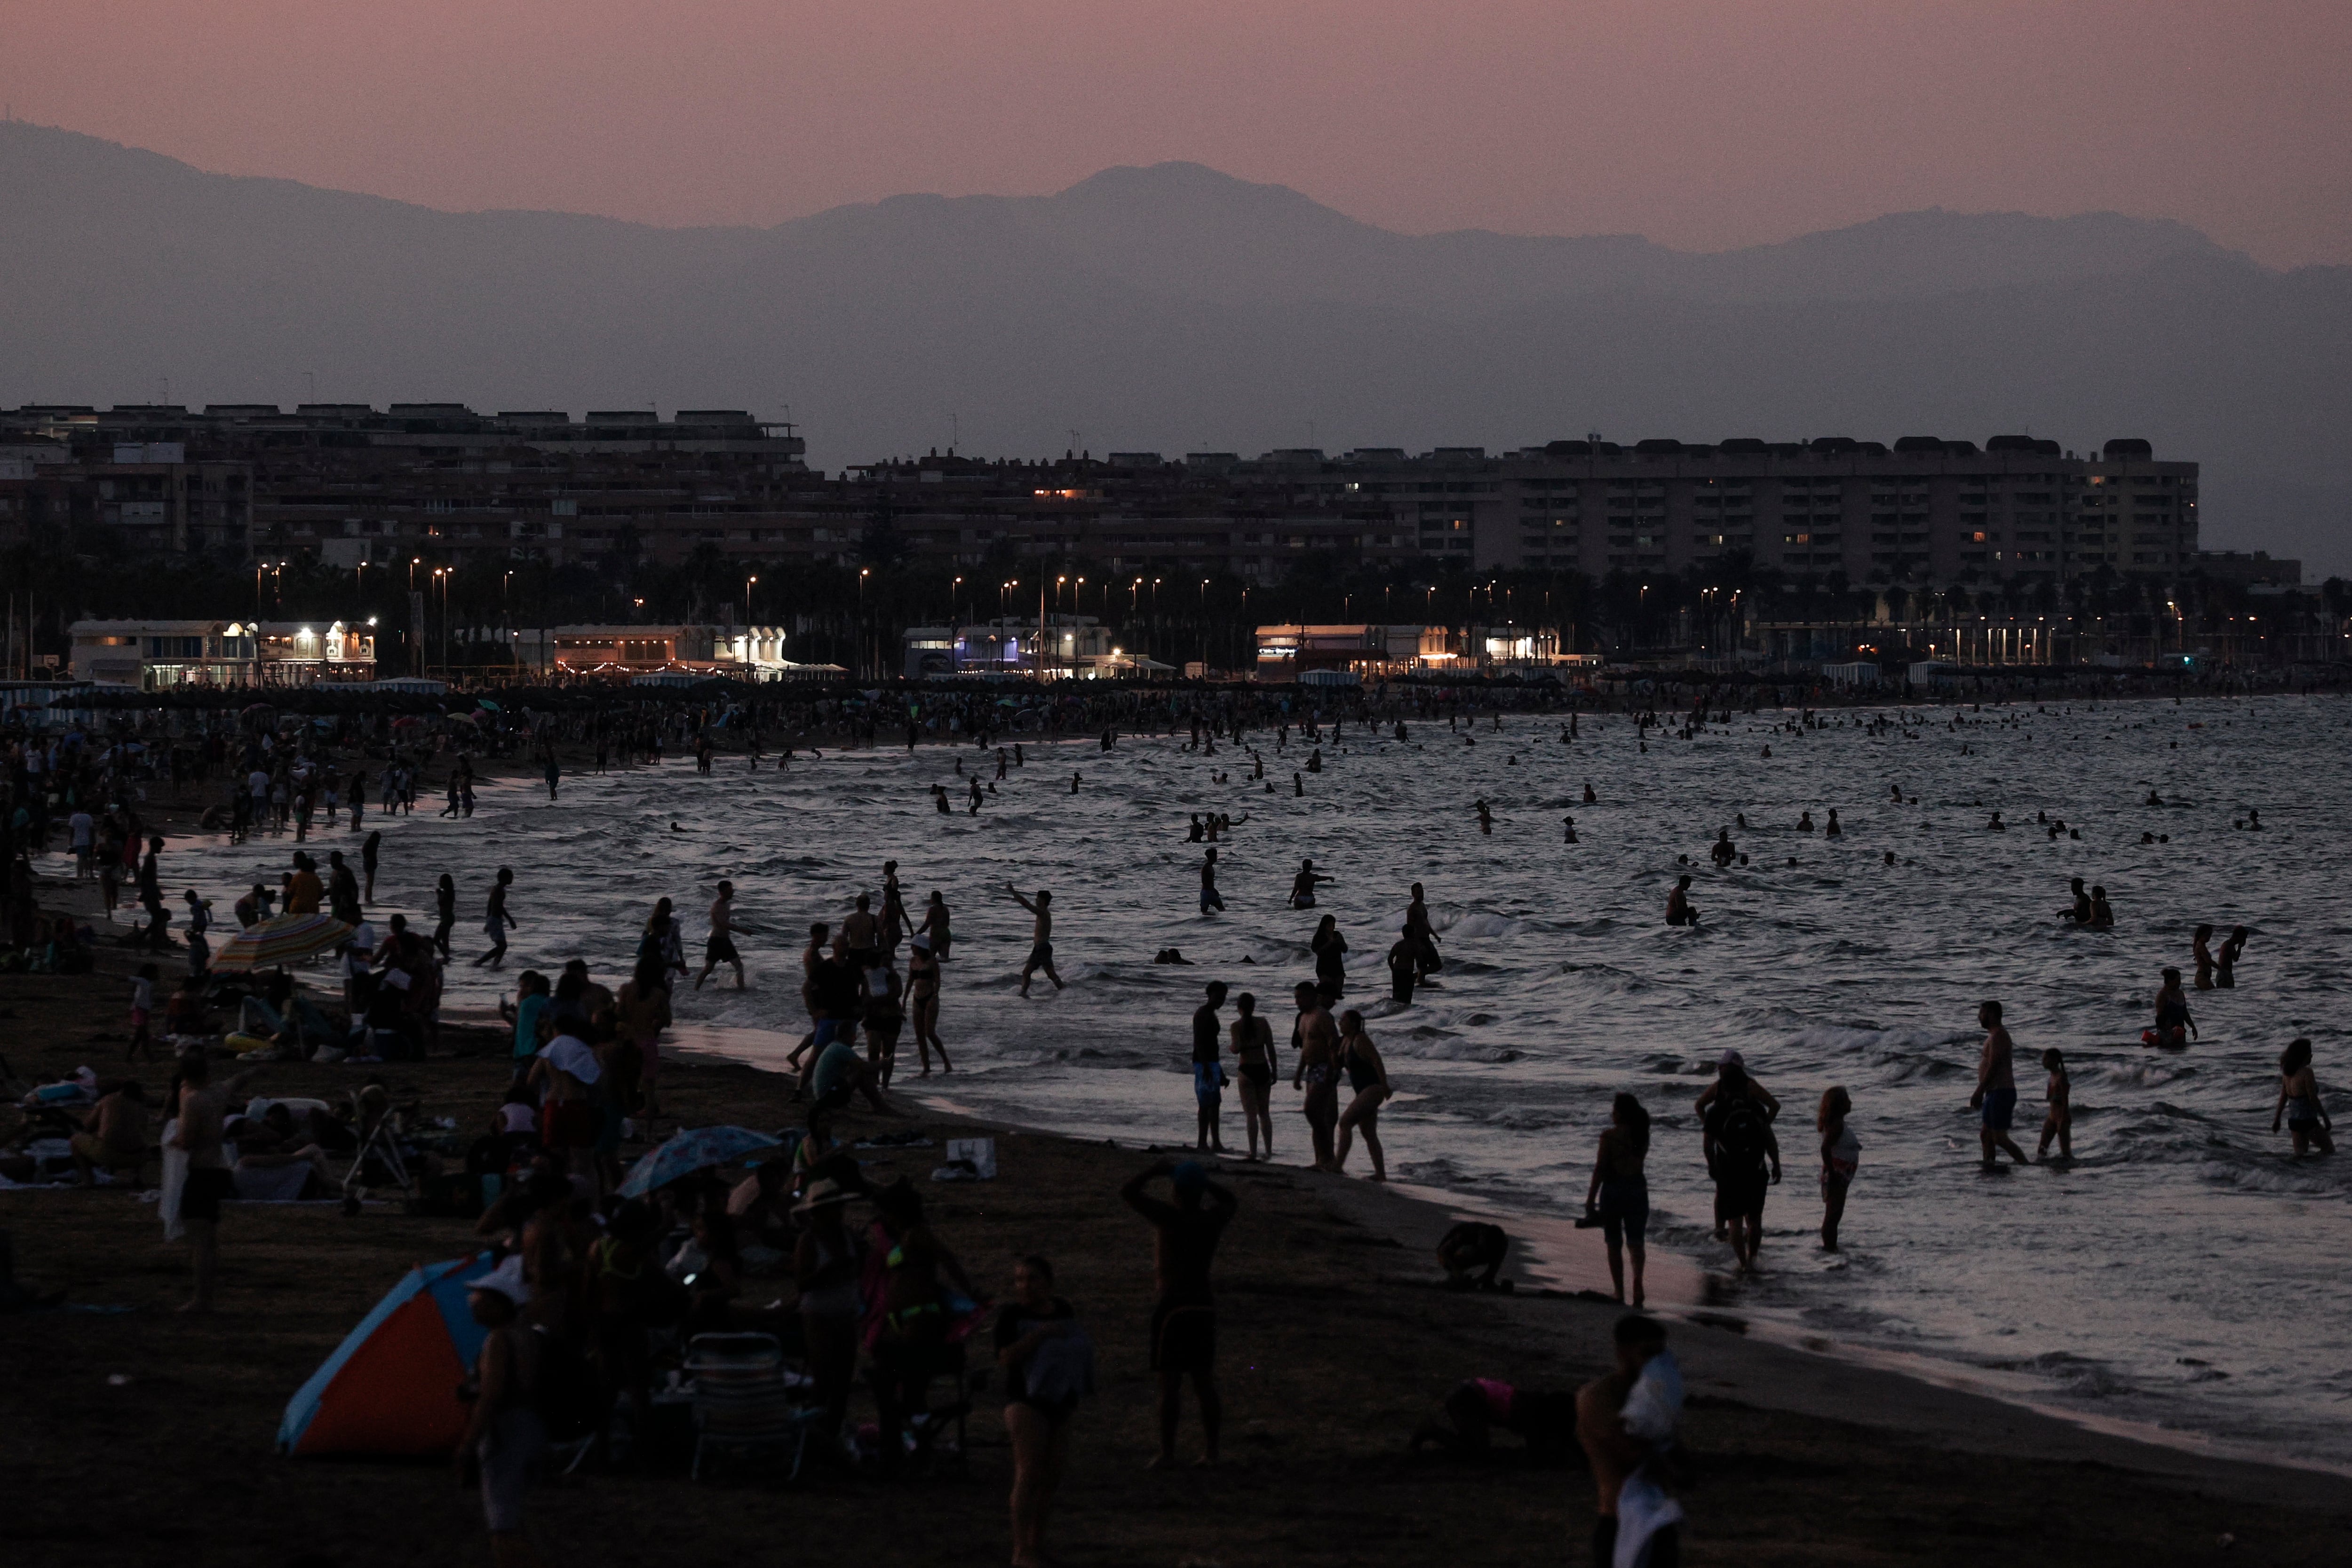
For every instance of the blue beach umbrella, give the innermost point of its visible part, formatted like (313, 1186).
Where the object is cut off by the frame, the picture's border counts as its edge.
(697, 1148)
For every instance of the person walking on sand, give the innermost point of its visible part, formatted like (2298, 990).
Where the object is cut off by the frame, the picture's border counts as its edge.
(2298, 1101)
(200, 1117)
(1048, 1367)
(1626, 1422)
(1253, 1055)
(505, 1434)
(1208, 1071)
(1618, 1196)
(496, 920)
(1184, 1316)
(1841, 1157)
(1041, 937)
(1996, 1092)
(1317, 1041)
(720, 948)
(1368, 1079)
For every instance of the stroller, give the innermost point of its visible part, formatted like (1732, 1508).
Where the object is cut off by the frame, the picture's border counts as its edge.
(380, 1161)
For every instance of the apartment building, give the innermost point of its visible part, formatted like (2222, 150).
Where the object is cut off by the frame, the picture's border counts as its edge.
(439, 483)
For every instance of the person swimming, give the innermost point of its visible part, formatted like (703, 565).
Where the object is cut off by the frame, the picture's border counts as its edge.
(2174, 1023)
(2079, 912)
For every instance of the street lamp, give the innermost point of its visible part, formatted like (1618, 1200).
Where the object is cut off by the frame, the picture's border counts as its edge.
(747, 599)
(863, 572)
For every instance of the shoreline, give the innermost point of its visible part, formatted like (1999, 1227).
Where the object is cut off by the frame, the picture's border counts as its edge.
(1806, 1373)
(1336, 1340)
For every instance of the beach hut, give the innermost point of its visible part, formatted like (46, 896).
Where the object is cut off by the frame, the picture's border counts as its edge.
(391, 1388)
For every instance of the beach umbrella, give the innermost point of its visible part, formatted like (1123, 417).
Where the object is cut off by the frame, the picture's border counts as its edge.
(489, 705)
(281, 940)
(257, 708)
(696, 1149)
(391, 1387)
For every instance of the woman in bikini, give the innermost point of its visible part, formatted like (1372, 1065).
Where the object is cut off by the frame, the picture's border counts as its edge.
(1368, 1077)
(1330, 949)
(1618, 1198)
(1252, 1040)
(2203, 947)
(923, 1003)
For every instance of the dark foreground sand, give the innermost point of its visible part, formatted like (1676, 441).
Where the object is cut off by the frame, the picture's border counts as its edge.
(1336, 1344)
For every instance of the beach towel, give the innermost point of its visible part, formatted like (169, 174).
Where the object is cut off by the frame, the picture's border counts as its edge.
(175, 1179)
(1652, 1409)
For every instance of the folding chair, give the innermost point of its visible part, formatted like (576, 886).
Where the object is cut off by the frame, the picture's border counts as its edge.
(741, 1400)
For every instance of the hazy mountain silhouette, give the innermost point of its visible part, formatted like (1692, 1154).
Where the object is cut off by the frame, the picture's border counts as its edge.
(1174, 307)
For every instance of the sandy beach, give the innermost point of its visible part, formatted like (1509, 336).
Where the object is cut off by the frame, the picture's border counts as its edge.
(142, 1434)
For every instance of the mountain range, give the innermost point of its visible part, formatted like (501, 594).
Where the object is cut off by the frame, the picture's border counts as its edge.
(1173, 309)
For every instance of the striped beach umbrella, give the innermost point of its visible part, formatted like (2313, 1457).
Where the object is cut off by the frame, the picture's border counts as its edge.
(281, 940)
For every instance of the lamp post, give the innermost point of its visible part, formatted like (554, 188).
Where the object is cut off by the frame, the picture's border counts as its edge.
(863, 572)
(1205, 627)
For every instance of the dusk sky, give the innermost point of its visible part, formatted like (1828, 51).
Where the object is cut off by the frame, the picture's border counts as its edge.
(1701, 123)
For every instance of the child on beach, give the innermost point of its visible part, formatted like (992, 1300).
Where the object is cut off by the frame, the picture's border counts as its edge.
(2060, 1123)
(143, 1008)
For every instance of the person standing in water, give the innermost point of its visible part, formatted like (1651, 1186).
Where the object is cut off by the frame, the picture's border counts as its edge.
(1209, 897)
(923, 1003)
(444, 920)
(1737, 1141)
(1041, 937)
(2308, 1120)
(2174, 1023)
(1679, 910)
(371, 849)
(935, 926)
(2201, 948)
(1330, 949)
(1302, 887)
(1841, 1157)
(496, 920)
(2059, 1123)
(2226, 967)
(720, 948)
(1252, 1040)
(1996, 1092)
(1618, 1196)
(1367, 1081)
(1317, 1070)
(1424, 940)
(1208, 1072)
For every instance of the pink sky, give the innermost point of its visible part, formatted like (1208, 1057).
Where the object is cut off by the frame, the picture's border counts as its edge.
(1701, 123)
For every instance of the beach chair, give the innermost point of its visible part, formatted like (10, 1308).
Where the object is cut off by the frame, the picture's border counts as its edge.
(743, 1403)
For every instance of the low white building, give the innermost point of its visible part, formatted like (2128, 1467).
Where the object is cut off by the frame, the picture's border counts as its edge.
(161, 655)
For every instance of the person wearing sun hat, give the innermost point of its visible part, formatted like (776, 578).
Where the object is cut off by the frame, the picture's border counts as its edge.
(503, 1431)
(826, 1266)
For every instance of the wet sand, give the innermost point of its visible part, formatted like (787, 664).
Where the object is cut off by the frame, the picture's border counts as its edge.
(1335, 1344)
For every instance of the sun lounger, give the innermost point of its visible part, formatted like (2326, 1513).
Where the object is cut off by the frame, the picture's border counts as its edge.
(743, 1403)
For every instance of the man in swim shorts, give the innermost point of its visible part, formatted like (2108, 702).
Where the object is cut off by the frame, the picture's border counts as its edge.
(1996, 1095)
(1208, 1076)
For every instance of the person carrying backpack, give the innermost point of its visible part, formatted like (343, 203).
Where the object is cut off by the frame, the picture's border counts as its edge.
(1738, 1145)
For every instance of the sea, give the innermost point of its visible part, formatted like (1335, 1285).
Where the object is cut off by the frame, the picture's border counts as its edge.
(2183, 1276)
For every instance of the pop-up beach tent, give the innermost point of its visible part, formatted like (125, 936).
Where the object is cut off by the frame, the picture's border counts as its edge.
(391, 1388)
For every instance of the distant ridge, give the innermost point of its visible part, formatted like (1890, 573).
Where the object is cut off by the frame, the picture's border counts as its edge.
(1176, 307)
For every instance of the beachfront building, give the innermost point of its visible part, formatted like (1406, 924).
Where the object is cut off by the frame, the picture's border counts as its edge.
(351, 486)
(163, 655)
(1068, 646)
(689, 652)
